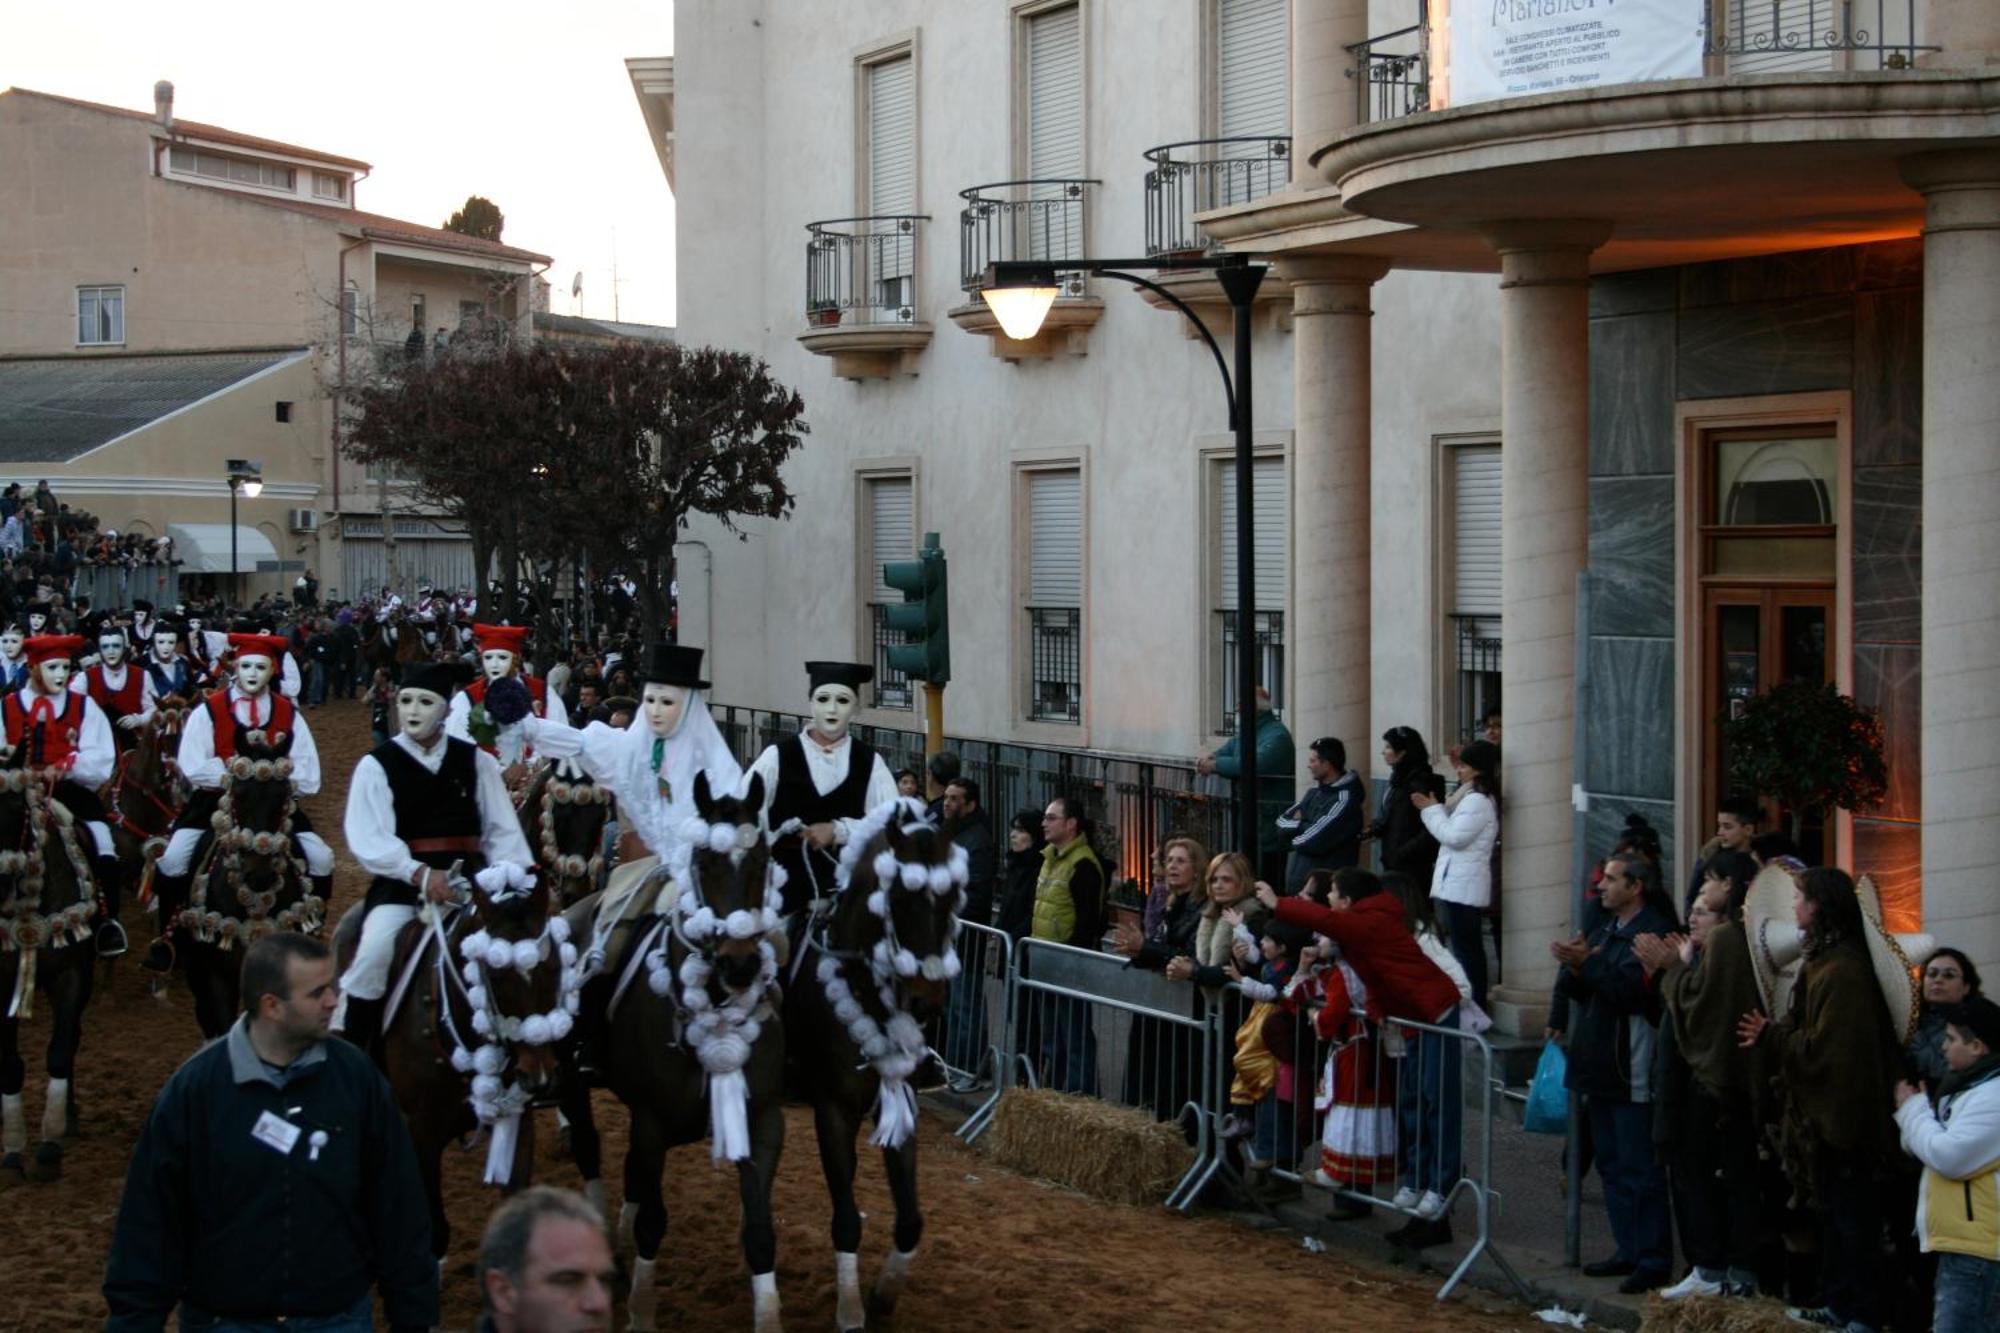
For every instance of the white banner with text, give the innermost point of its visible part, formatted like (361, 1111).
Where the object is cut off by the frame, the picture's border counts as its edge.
(1516, 48)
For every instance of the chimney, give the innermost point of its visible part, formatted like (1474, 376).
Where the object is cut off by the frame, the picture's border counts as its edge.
(163, 103)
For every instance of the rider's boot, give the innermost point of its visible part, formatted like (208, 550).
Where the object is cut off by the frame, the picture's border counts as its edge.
(363, 1024)
(109, 939)
(323, 887)
(169, 896)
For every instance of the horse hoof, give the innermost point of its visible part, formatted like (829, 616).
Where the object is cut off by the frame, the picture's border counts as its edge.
(47, 1165)
(12, 1172)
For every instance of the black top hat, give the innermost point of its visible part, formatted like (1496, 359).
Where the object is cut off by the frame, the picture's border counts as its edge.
(672, 664)
(440, 678)
(851, 674)
(34, 609)
(141, 604)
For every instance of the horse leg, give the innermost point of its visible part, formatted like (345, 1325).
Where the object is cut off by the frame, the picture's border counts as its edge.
(755, 1176)
(645, 1163)
(900, 1164)
(836, 1159)
(13, 1073)
(429, 1140)
(68, 992)
(585, 1145)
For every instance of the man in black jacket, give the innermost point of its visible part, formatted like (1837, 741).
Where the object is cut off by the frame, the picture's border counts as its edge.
(965, 823)
(1324, 828)
(274, 1179)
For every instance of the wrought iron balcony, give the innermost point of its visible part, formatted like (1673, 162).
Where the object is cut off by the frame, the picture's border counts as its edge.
(1392, 73)
(1198, 175)
(1045, 221)
(1767, 36)
(864, 279)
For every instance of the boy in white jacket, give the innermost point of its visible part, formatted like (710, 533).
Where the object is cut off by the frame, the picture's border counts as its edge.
(1958, 1203)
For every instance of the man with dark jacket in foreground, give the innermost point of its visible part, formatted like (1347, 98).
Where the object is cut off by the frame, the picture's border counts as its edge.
(274, 1180)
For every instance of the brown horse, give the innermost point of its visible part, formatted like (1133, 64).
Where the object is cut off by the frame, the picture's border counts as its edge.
(141, 803)
(873, 973)
(47, 900)
(493, 1002)
(563, 817)
(395, 643)
(249, 880)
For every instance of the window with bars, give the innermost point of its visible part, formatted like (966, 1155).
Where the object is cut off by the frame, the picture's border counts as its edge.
(1270, 501)
(889, 528)
(1472, 554)
(1055, 595)
(100, 316)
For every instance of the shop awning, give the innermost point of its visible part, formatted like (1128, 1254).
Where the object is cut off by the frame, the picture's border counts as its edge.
(203, 548)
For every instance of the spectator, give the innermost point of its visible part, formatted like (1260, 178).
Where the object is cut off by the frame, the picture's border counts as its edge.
(544, 1266)
(1260, 1093)
(1735, 826)
(1466, 827)
(1161, 1069)
(382, 706)
(1610, 1068)
(346, 654)
(1070, 903)
(1489, 726)
(965, 824)
(1022, 871)
(1275, 784)
(321, 656)
(274, 1180)
(1950, 979)
(1323, 830)
(906, 783)
(943, 769)
(588, 696)
(45, 499)
(10, 500)
(1404, 845)
(1958, 1142)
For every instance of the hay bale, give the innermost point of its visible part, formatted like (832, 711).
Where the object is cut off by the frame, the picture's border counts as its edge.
(1715, 1314)
(1115, 1153)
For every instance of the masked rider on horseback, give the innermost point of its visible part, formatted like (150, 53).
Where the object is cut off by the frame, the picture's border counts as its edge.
(419, 805)
(208, 742)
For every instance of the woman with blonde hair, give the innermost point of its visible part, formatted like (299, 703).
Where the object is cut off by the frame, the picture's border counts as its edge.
(1161, 1064)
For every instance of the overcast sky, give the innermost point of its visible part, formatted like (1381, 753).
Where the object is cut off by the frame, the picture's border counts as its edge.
(527, 104)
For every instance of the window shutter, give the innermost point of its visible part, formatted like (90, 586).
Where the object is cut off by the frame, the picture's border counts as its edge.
(1055, 127)
(1779, 36)
(1476, 530)
(892, 137)
(1270, 502)
(892, 530)
(1253, 68)
(1055, 539)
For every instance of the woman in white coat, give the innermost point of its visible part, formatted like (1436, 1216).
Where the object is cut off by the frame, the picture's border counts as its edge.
(1466, 825)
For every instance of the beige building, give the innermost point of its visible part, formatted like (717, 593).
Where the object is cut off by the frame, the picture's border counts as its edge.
(178, 295)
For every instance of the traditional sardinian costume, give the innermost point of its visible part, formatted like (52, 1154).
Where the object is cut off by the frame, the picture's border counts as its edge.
(66, 733)
(412, 809)
(171, 675)
(813, 782)
(544, 703)
(122, 691)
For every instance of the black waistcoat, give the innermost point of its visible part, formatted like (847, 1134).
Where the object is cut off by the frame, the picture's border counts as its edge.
(444, 804)
(797, 798)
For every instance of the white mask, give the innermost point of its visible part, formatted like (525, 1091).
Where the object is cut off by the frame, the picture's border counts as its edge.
(112, 648)
(10, 643)
(54, 675)
(164, 645)
(194, 626)
(35, 622)
(662, 706)
(420, 713)
(499, 663)
(832, 707)
(253, 673)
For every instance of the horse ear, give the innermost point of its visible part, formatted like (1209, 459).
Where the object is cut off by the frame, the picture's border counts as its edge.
(753, 799)
(703, 800)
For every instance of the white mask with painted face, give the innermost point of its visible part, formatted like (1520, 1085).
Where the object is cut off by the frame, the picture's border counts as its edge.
(253, 673)
(663, 706)
(420, 713)
(10, 644)
(498, 662)
(832, 709)
(35, 622)
(111, 647)
(54, 675)
(164, 644)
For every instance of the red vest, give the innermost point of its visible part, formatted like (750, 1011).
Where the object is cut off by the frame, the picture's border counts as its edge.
(538, 692)
(222, 720)
(124, 701)
(55, 744)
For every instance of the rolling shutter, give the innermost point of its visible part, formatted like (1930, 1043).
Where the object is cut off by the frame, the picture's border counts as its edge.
(1779, 36)
(892, 531)
(1253, 68)
(1270, 501)
(1055, 127)
(1476, 530)
(1055, 539)
(892, 137)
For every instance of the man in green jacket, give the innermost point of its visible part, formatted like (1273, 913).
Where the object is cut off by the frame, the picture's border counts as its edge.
(1277, 785)
(1070, 903)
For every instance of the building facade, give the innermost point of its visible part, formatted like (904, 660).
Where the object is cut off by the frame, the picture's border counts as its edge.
(179, 295)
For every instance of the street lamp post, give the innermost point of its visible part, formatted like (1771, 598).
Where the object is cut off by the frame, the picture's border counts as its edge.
(248, 478)
(1020, 293)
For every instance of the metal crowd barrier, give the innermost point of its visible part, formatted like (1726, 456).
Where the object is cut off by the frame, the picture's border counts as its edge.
(1035, 1013)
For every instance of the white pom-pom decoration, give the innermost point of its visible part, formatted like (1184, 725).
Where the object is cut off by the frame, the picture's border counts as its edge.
(499, 953)
(847, 1010)
(535, 1030)
(560, 1024)
(915, 876)
(527, 953)
(878, 903)
(559, 929)
(940, 879)
(721, 837)
(486, 1087)
(473, 946)
(906, 963)
(476, 996)
(471, 974)
(461, 1059)
(481, 1023)
(885, 867)
(489, 1059)
(567, 952)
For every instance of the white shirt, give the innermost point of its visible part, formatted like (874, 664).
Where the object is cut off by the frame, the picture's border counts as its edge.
(370, 824)
(197, 753)
(827, 766)
(96, 752)
(623, 761)
(114, 678)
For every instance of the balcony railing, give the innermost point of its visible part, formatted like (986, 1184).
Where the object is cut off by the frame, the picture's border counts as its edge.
(1392, 73)
(1478, 665)
(1268, 629)
(1203, 174)
(1055, 664)
(1040, 220)
(1773, 36)
(863, 271)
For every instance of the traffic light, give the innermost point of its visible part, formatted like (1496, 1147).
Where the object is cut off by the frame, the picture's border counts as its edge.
(925, 653)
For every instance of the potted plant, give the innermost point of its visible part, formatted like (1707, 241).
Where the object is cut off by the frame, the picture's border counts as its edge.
(1809, 746)
(822, 314)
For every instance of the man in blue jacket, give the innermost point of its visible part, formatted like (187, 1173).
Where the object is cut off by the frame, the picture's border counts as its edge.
(1276, 785)
(1324, 828)
(274, 1182)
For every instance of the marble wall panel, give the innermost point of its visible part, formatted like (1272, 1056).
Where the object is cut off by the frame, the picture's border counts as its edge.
(1891, 854)
(1629, 724)
(1889, 264)
(1887, 678)
(1604, 825)
(1888, 377)
(1632, 395)
(1632, 556)
(1769, 277)
(1888, 554)
(1632, 293)
(1790, 346)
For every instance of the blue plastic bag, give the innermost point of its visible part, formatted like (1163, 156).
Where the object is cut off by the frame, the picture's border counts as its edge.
(1548, 1102)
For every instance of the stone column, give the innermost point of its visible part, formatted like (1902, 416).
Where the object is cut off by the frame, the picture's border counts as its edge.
(1327, 641)
(1544, 543)
(1325, 102)
(1961, 551)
